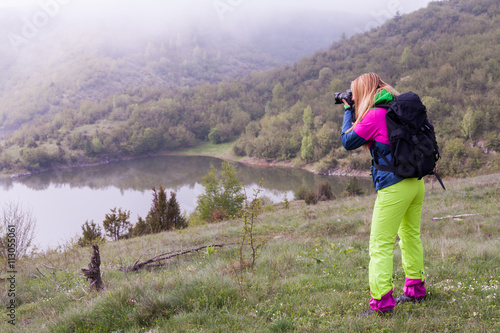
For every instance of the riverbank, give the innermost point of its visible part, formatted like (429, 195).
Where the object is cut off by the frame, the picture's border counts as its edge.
(224, 151)
(220, 151)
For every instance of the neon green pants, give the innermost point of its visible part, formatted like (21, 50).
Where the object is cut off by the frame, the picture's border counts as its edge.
(397, 211)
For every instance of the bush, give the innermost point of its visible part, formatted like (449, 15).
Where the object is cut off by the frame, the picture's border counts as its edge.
(352, 188)
(91, 234)
(325, 191)
(16, 219)
(300, 193)
(311, 198)
(165, 215)
(116, 224)
(493, 142)
(141, 228)
(223, 195)
(239, 148)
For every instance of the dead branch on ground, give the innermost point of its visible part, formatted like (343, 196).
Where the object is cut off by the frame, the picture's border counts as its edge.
(156, 261)
(455, 217)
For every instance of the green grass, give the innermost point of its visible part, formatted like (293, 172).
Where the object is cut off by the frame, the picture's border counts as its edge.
(311, 276)
(223, 150)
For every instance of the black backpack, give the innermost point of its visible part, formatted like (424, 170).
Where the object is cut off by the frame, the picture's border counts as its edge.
(414, 149)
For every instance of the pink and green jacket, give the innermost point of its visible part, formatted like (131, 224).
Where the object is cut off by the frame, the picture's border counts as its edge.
(372, 129)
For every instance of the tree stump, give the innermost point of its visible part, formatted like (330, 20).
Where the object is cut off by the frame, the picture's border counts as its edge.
(93, 273)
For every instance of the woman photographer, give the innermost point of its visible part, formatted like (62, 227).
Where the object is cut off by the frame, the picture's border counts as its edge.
(398, 206)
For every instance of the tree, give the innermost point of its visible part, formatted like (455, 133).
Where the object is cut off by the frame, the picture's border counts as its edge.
(157, 216)
(164, 215)
(306, 149)
(175, 220)
(278, 102)
(223, 196)
(469, 124)
(215, 136)
(407, 58)
(141, 228)
(325, 76)
(397, 16)
(17, 222)
(91, 233)
(116, 223)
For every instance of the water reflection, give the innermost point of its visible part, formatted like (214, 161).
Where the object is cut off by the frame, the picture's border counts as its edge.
(173, 172)
(63, 200)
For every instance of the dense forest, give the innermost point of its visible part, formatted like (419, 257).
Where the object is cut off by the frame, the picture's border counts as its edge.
(448, 53)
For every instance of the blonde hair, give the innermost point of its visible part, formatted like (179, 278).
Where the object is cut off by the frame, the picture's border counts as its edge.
(364, 90)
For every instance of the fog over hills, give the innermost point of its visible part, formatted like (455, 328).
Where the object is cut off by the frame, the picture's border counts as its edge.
(55, 53)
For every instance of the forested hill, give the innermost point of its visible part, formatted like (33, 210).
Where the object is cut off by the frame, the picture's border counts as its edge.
(448, 53)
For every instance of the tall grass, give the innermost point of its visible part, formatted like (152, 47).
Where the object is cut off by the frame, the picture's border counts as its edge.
(311, 276)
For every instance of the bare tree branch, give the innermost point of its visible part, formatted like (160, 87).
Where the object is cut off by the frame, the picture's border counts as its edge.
(165, 256)
(454, 216)
(56, 269)
(22, 220)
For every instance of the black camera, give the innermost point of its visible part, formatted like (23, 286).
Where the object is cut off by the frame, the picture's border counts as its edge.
(347, 96)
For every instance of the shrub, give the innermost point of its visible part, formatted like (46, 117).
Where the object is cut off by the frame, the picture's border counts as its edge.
(117, 224)
(141, 228)
(300, 192)
(353, 188)
(311, 198)
(91, 234)
(15, 216)
(325, 191)
(223, 196)
(165, 215)
(493, 142)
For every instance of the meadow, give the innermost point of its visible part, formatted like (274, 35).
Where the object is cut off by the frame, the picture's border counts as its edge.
(310, 274)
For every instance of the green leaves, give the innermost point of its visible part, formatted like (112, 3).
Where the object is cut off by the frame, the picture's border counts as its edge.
(116, 223)
(223, 195)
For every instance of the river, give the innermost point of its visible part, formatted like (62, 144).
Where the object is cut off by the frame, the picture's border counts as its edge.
(61, 201)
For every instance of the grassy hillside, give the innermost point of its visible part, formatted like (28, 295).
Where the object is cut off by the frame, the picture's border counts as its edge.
(310, 276)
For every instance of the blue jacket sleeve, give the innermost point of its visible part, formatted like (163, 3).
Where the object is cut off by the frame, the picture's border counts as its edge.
(350, 140)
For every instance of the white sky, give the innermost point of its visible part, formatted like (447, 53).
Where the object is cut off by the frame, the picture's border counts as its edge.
(351, 6)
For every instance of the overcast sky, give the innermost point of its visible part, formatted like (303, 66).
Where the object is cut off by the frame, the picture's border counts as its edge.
(27, 20)
(351, 6)
(228, 13)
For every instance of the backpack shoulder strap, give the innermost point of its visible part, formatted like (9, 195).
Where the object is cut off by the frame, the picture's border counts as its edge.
(389, 167)
(382, 105)
(439, 180)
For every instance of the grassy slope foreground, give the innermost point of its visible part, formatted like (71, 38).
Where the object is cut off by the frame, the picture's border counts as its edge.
(311, 276)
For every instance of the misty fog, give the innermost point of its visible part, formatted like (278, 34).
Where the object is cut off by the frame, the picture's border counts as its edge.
(91, 49)
(24, 22)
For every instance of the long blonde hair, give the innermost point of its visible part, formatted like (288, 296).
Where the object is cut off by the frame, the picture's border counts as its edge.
(364, 90)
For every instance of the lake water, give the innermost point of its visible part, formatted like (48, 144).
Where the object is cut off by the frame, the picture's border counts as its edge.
(61, 201)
